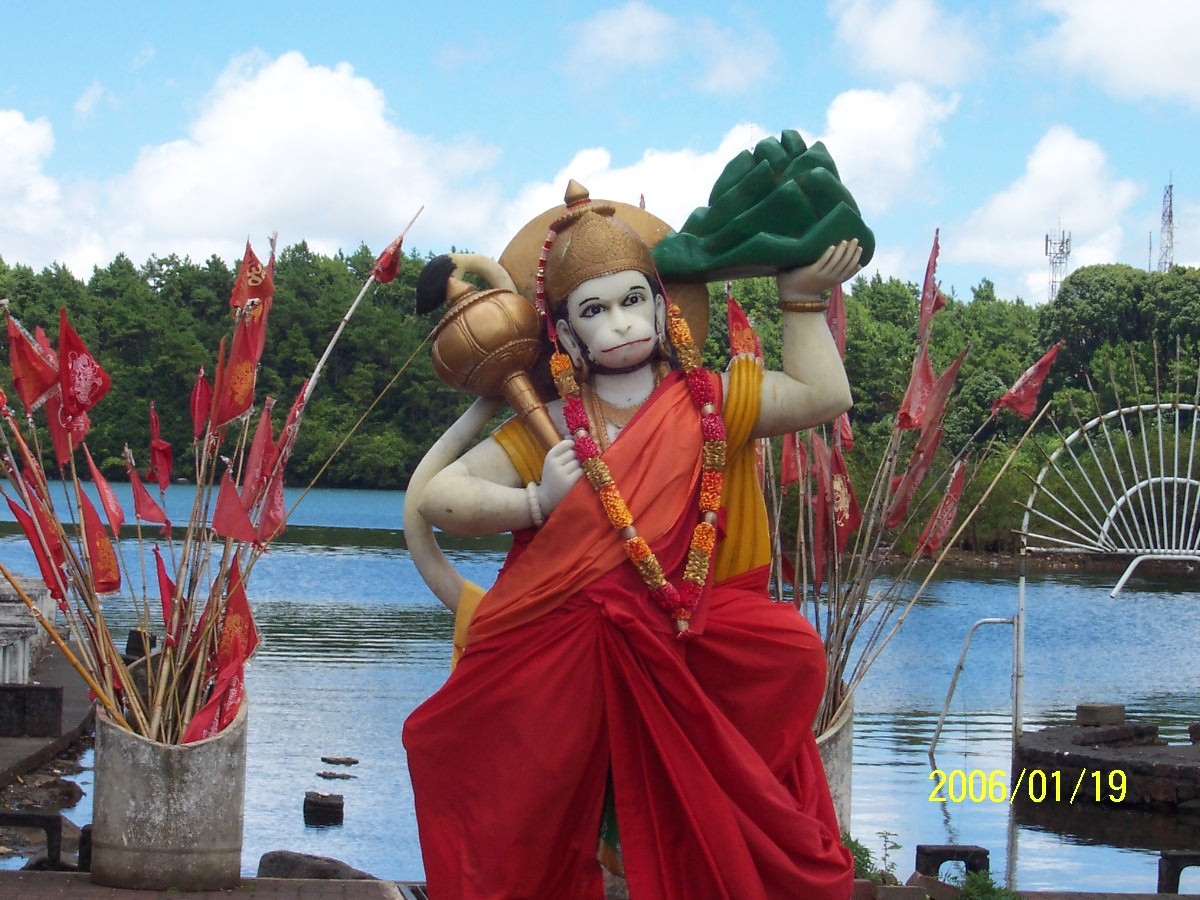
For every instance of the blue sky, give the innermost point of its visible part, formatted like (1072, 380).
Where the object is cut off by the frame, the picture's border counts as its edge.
(159, 128)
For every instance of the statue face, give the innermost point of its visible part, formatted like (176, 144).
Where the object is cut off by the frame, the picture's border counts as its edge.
(614, 317)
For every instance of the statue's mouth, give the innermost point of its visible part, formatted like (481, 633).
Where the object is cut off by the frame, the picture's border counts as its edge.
(626, 344)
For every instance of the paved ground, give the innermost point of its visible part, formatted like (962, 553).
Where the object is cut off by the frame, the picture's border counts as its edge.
(21, 755)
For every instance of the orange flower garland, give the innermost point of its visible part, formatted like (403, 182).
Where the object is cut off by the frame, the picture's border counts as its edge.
(678, 602)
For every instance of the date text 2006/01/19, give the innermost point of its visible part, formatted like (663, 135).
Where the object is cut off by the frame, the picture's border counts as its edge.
(977, 786)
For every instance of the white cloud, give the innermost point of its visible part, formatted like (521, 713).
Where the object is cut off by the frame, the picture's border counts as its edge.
(31, 200)
(880, 141)
(638, 35)
(277, 144)
(1068, 181)
(674, 181)
(86, 104)
(142, 57)
(907, 39)
(1131, 52)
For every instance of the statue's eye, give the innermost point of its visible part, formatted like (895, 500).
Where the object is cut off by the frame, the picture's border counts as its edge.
(592, 309)
(633, 299)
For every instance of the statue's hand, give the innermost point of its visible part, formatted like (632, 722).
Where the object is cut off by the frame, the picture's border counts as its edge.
(559, 473)
(836, 264)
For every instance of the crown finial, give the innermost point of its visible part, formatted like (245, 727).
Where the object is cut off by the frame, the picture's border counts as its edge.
(576, 193)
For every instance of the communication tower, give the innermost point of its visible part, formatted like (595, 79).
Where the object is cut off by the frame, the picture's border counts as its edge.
(1058, 248)
(1166, 242)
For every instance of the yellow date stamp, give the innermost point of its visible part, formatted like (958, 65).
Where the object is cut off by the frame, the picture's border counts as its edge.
(1041, 786)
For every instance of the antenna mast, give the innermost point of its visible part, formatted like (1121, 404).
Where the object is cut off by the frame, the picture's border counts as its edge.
(1166, 242)
(1058, 248)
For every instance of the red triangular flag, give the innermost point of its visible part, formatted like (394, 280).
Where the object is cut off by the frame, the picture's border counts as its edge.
(941, 393)
(202, 394)
(932, 299)
(144, 507)
(261, 449)
(51, 574)
(273, 518)
(234, 391)
(34, 372)
(239, 634)
(160, 454)
(106, 572)
(836, 317)
(84, 383)
(822, 509)
(166, 593)
(916, 396)
(792, 467)
(1021, 398)
(65, 434)
(253, 282)
(53, 541)
(939, 523)
(742, 338)
(229, 518)
(221, 707)
(847, 517)
(112, 507)
(843, 436)
(904, 488)
(387, 266)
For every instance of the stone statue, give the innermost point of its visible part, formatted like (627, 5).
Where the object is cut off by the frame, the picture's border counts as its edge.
(627, 683)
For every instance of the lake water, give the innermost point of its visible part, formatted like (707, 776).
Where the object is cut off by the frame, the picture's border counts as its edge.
(352, 642)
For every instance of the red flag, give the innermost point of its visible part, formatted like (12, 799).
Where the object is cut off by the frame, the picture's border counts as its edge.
(84, 383)
(229, 518)
(939, 523)
(34, 372)
(916, 396)
(261, 448)
(51, 574)
(160, 453)
(843, 436)
(273, 518)
(287, 435)
(106, 573)
(836, 317)
(239, 634)
(235, 389)
(222, 705)
(387, 266)
(904, 488)
(144, 507)
(932, 299)
(822, 497)
(46, 524)
(791, 469)
(847, 517)
(202, 394)
(941, 393)
(1021, 398)
(112, 507)
(166, 593)
(253, 283)
(65, 433)
(742, 338)
(43, 343)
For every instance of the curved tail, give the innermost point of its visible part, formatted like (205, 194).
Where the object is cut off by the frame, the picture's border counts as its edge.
(431, 562)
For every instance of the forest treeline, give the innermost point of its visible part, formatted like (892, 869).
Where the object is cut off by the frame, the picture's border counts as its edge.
(153, 326)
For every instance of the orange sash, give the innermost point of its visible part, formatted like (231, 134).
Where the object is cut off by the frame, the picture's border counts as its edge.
(655, 463)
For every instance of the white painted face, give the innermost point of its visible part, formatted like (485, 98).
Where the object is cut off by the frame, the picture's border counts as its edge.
(614, 316)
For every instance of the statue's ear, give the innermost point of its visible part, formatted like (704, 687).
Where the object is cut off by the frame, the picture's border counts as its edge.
(570, 343)
(660, 315)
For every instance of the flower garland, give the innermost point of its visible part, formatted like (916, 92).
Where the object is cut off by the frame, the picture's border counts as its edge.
(678, 602)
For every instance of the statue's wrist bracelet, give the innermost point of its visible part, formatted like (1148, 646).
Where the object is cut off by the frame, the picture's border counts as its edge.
(803, 306)
(535, 505)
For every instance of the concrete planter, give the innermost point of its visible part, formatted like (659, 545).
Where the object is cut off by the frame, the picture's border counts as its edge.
(836, 746)
(167, 816)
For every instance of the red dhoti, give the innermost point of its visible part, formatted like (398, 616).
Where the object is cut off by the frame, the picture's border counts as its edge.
(718, 786)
